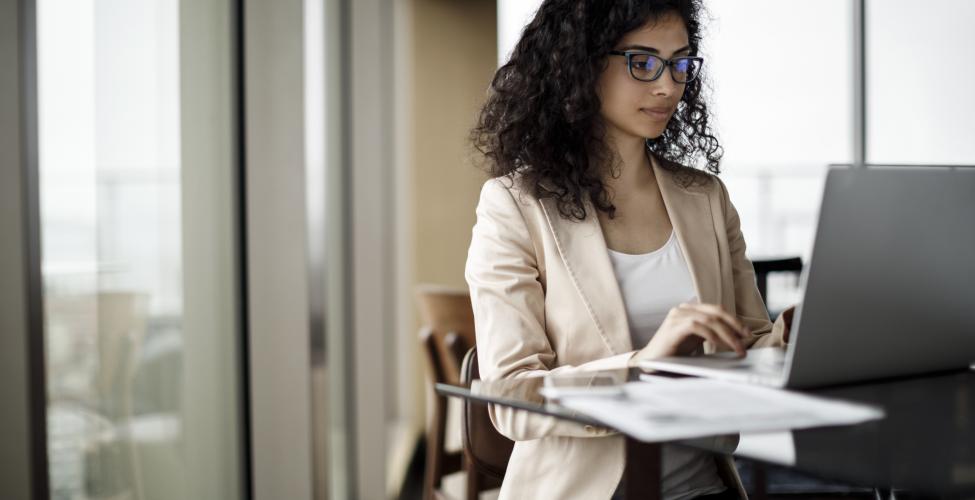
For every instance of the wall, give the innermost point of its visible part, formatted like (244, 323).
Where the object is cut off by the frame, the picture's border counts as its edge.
(453, 51)
(455, 58)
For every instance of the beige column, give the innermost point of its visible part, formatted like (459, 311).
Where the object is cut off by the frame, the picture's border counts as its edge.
(454, 55)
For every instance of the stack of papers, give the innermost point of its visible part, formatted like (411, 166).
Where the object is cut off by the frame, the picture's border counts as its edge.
(667, 410)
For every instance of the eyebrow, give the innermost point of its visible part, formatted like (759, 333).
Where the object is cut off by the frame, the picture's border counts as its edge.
(653, 50)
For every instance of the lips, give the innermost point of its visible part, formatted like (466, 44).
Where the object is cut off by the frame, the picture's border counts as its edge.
(658, 113)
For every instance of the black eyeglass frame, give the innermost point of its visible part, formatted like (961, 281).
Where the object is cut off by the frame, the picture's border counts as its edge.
(666, 63)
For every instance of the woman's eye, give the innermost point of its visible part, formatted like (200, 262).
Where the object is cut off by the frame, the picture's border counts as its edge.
(644, 64)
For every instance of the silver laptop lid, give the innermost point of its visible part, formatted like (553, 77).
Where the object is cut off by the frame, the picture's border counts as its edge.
(891, 285)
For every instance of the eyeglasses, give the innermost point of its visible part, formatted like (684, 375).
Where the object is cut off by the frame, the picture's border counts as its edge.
(647, 67)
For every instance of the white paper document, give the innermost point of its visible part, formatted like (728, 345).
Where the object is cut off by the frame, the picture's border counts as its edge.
(693, 407)
(777, 447)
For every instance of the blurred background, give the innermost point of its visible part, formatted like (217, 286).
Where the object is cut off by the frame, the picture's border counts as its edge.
(238, 211)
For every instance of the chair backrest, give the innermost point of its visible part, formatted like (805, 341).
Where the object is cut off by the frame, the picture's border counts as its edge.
(765, 266)
(448, 331)
(486, 449)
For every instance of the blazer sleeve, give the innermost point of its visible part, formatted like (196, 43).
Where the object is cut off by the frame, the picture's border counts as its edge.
(749, 306)
(509, 314)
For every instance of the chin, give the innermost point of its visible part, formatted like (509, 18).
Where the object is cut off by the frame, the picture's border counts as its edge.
(641, 129)
(652, 132)
(648, 130)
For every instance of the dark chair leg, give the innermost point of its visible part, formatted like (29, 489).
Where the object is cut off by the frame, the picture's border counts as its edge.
(435, 443)
(641, 477)
(759, 482)
(473, 481)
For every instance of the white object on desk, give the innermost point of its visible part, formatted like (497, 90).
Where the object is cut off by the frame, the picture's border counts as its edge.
(668, 410)
(775, 447)
(560, 386)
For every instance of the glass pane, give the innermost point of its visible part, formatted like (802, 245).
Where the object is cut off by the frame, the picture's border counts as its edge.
(513, 15)
(920, 104)
(783, 92)
(138, 242)
(782, 77)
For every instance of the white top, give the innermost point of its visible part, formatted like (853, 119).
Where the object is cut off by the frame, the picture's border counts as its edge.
(652, 284)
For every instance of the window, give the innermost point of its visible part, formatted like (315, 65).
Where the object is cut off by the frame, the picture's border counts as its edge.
(137, 219)
(920, 107)
(782, 76)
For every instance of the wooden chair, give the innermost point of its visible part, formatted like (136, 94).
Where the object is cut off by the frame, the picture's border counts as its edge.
(447, 334)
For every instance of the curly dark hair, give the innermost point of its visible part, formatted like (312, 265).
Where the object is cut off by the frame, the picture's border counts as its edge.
(542, 115)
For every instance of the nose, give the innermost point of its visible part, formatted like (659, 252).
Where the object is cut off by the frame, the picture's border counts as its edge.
(665, 86)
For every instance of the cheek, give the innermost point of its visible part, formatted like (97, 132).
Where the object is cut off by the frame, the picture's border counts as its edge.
(623, 109)
(617, 107)
(619, 99)
(616, 88)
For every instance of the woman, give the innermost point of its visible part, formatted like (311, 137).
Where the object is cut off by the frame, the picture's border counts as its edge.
(598, 243)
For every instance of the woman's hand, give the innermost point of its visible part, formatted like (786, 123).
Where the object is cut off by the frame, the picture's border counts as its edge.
(688, 325)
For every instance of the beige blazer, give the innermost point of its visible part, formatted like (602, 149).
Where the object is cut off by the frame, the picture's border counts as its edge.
(546, 300)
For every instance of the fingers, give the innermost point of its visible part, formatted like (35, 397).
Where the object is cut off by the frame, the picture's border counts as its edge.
(705, 321)
(712, 310)
(715, 325)
(787, 315)
(718, 333)
(700, 330)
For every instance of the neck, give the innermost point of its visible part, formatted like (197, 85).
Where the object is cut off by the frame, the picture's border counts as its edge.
(633, 166)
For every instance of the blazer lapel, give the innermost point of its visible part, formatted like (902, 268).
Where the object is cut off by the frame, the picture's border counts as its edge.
(583, 251)
(690, 214)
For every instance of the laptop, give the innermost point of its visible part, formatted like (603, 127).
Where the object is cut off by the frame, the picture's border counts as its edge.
(889, 290)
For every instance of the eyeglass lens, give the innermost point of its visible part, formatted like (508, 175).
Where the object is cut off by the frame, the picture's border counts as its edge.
(648, 67)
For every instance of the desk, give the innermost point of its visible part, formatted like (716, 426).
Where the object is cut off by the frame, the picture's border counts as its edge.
(925, 445)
